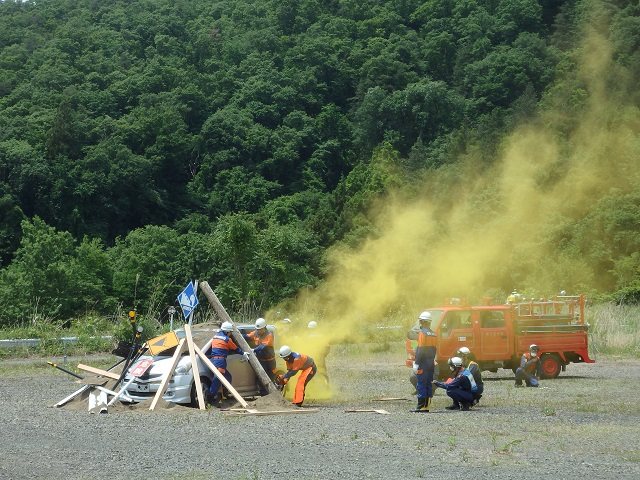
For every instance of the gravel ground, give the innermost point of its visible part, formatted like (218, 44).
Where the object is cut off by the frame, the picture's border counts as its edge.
(583, 424)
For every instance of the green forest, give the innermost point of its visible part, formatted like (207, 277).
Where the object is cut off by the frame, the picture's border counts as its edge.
(257, 144)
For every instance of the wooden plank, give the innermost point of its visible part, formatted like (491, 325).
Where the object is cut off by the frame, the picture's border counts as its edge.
(224, 381)
(194, 367)
(273, 412)
(378, 410)
(165, 380)
(98, 371)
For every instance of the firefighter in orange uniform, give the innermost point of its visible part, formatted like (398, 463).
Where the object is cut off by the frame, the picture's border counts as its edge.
(263, 342)
(423, 366)
(297, 362)
(221, 346)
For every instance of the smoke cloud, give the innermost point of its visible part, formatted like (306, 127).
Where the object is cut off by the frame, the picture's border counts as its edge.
(476, 230)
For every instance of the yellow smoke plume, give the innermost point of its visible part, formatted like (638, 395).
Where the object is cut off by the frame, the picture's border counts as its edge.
(472, 223)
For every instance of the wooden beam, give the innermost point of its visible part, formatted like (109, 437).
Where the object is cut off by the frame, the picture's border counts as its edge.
(379, 410)
(274, 412)
(237, 337)
(217, 373)
(98, 371)
(165, 380)
(202, 404)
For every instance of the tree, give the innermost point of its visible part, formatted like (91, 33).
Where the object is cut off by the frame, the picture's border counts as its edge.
(146, 265)
(39, 283)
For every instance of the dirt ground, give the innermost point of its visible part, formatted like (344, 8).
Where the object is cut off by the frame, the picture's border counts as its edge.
(586, 423)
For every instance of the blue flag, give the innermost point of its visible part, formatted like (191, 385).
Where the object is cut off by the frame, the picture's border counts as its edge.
(188, 300)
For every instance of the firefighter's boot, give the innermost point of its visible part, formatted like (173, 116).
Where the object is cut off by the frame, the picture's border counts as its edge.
(455, 406)
(423, 405)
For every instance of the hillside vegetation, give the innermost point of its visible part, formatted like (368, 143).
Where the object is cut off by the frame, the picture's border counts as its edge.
(147, 143)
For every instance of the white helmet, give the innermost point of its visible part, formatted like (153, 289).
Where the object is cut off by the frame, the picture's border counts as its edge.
(227, 327)
(455, 362)
(464, 351)
(312, 324)
(533, 346)
(425, 317)
(261, 323)
(286, 320)
(285, 351)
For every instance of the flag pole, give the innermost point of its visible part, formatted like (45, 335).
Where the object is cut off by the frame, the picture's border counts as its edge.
(195, 291)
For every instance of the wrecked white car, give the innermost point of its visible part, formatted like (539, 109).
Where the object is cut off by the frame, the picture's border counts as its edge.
(181, 388)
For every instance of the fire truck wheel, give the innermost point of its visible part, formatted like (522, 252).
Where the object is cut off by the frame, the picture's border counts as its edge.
(551, 365)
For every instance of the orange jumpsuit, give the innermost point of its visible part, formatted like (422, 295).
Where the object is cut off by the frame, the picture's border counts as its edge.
(299, 362)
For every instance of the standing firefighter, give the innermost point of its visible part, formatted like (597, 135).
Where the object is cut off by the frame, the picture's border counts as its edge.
(221, 346)
(263, 341)
(529, 369)
(474, 369)
(297, 362)
(423, 366)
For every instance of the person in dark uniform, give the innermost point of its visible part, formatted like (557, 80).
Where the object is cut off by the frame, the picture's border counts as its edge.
(473, 367)
(460, 388)
(530, 368)
(423, 366)
(221, 347)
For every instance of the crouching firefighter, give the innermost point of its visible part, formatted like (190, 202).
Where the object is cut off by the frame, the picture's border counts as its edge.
(423, 366)
(297, 362)
(461, 388)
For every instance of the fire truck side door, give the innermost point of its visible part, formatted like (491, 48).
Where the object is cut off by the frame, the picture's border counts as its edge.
(494, 335)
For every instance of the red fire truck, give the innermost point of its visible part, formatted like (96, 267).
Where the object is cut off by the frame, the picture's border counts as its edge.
(498, 335)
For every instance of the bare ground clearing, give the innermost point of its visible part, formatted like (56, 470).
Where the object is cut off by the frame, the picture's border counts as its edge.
(586, 423)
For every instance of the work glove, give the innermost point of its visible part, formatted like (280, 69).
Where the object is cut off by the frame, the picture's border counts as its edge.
(245, 356)
(415, 368)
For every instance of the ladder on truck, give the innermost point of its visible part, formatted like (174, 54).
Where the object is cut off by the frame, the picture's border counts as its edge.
(562, 314)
